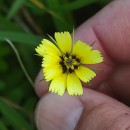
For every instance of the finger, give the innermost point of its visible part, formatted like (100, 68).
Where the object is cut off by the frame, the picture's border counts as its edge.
(120, 83)
(91, 111)
(103, 113)
(56, 113)
(41, 86)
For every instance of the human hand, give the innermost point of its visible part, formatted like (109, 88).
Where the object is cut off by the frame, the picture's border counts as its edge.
(95, 110)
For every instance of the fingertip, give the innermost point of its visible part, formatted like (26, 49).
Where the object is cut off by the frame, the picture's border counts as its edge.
(40, 86)
(58, 112)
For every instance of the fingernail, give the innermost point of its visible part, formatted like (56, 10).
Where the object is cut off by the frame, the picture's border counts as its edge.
(58, 113)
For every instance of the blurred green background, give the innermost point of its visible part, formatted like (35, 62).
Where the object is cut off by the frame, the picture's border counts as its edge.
(25, 23)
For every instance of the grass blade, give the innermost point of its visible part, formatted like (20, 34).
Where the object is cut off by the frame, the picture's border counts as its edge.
(77, 4)
(15, 7)
(2, 126)
(20, 62)
(14, 117)
(20, 37)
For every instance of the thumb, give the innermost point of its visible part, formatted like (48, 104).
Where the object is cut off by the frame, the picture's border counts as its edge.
(91, 111)
(103, 113)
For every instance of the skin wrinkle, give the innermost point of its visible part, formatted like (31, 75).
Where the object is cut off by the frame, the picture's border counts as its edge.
(86, 98)
(116, 123)
(83, 115)
(128, 128)
(121, 117)
(111, 120)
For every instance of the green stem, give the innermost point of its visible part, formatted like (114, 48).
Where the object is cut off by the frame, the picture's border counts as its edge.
(72, 45)
(20, 61)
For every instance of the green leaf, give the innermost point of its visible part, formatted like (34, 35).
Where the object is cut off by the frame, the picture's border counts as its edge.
(20, 37)
(103, 2)
(15, 7)
(4, 50)
(2, 126)
(77, 4)
(2, 84)
(3, 65)
(30, 103)
(16, 94)
(62, 19)
(9, 25)
(1, 5)
(14, 117)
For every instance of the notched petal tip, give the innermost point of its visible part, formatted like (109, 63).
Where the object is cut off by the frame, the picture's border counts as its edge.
(40, 50)
(58, 85)
(74, 86)
(75, 93)
(85, 74)
(56, 92)
(64, 41)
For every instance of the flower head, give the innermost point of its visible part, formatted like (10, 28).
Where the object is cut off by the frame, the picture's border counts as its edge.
(64, 63)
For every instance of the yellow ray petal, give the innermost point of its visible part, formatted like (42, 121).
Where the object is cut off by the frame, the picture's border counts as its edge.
(52, 72)
(85, 74)
(74, 86)
(50, 60)
(47, 47)
(80, 49)
(50, 47)
(58, 85)
(85, 53)
(93, 57)
(64, 41)
(40, 50)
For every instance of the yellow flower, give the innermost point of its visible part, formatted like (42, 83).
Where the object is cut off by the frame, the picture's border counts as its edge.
(64, 63)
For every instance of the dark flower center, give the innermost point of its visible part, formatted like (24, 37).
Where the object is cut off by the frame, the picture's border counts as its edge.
(69, 63)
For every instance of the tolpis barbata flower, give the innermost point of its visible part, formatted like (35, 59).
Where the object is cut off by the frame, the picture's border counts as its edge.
(64, 63)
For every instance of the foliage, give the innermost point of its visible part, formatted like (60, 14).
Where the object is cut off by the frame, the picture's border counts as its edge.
(25, 22)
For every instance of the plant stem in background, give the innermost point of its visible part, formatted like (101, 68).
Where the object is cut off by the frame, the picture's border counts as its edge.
(20, 62)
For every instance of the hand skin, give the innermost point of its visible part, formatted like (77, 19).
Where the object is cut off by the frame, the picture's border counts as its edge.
(105, 105)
